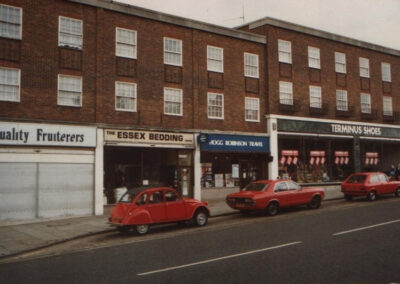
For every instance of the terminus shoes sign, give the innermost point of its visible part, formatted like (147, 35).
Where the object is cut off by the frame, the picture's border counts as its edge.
(46, 135)
(148, 138)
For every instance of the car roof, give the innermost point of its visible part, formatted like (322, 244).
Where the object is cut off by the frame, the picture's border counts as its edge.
(271, 180)
(150, 188)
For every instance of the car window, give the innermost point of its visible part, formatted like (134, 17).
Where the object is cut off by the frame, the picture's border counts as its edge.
(374, 179)
(383, 178)
(171, 196)
(281, 186)
(142, 199)
(256, 187)
(293, 186)
(357, 179)
(156, 197)
(127, 197)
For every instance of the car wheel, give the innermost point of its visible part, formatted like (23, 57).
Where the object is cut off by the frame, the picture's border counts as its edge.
(142, 229)
(315, 202)
(371, 195)
(272, 208)
(348, 197)
(397, 192)
(200, 218)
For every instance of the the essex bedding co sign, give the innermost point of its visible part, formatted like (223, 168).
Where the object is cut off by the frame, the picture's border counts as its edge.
(46, 135)
(116, 136)
(286, 125)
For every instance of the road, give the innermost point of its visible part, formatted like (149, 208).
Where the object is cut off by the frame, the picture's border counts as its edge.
(357, 242)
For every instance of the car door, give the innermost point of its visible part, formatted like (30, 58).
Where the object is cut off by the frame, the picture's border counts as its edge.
(156, 207)
(282, 194)
(386, 186)
(297, 196)
(174, 205)
(374, 183)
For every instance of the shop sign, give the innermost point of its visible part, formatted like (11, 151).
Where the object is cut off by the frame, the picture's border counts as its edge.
(149, 138)
(46, 135)
(356, 130)
(233, 143)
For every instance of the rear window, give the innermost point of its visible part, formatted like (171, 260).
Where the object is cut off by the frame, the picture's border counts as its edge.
(256, 187)
(357, 179)
(128, 197)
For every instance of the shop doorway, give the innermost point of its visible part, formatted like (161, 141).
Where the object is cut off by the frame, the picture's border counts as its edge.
(248, 172)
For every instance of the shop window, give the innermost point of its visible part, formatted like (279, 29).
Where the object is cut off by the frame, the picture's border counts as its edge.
(10, 22)
(340, 62)
(215, 59)
(386, 73)
(285, 51)
(10, 84)
(215, 106)
(69, 91)
(172, 101)
(125, 45)
(70, 33)
(172, 51)
(250, 65)
(364, 67)
(314, 57)
(125, 96)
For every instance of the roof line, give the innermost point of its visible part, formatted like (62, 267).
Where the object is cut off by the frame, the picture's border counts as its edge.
(318, 33)
(171, 19)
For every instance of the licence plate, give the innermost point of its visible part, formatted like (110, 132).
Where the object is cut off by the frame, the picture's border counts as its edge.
(240, 205)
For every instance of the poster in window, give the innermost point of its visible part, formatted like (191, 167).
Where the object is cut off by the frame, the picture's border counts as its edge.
(235, 170)
(219, 180)
(229, 180)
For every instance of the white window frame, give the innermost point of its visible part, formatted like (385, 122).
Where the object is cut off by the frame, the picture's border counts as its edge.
(365, 103)
(71, 34)
(18, 98)
(218, 106)
(19, 36)
(387, 106)
(180, 92)
(250, 70)
(210, 59)
(249, 106)
(58, 90)
(286, 97)
(342, 103)
(315, 96)
(314, 57)
(166, 60)
(364, 67)
(340, 62)
(285, 50)
(386, 72)
(128, 44)
(118, 95)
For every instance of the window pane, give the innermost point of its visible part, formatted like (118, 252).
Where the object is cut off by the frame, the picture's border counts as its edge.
(341, 100)
(364, 67)
(173, 101)
(69, 90)
(9, 84)
(70, 33)
(313, 57)
(126, 43)
(365, 103)
(285, 51)
(10, 22)
(215, 105)
(315, 97)
(386, 73)
(387, 106)
(252, 109)
(172, 51)
(285, 93)
(251, 65)
(340, 62)
(215, 59)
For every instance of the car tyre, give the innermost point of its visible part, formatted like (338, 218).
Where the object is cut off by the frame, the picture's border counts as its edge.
(272, 208)
(397, 192)
(142, 229)
(200, 218)
(315, 202)
(348, 197)
(371, 195)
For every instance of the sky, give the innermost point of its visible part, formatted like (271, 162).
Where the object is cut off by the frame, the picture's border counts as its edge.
(373, 21)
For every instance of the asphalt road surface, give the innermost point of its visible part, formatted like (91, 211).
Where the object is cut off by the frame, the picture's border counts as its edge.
(355, 243)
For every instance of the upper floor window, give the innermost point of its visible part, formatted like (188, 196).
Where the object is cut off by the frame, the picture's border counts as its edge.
(69, 91)
(251, 65)
(125, 96)
(340, 62)
(125, 43)
(315, 97)
(386, 74)
(215, 106)
(215, 59)
(70, 32)
(285, 51)
(314, 60)
(285, 93)
(341, 100)
(387, 106)
(252, 108)
(172, 51)
(9, 84)
(172, 101)
(365, 103)
(364, 67)
(10, 22)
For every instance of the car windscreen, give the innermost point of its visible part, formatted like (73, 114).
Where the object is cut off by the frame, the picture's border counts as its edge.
(128, 196)
(357, 179)
(256, 187)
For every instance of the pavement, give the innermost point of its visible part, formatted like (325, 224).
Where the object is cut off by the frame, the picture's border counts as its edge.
(17, 237)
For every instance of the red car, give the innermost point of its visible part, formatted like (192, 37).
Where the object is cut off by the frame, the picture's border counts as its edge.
(370, 185)
(141, 207)
(270, 195)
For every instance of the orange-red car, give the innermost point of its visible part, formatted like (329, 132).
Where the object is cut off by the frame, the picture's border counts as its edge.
(270, 195)
(370, 185)
(141, 207)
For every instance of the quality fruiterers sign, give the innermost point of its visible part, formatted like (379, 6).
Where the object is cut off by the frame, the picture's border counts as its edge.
(115, 136)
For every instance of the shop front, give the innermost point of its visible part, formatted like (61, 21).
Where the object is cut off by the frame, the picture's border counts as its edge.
(229, 162)
(134, 158)
(311, 151)
(47, 170)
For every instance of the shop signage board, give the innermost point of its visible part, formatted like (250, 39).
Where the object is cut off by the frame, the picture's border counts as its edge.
(288, 125)
(148, 138)
(233, 143)
(36, 134)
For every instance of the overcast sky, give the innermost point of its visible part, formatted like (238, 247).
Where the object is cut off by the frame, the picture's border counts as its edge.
(374, 21)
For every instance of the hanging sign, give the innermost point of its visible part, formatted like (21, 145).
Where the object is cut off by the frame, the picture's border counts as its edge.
(342, 157)
(289, 157)
(371, 158)
(317, 157)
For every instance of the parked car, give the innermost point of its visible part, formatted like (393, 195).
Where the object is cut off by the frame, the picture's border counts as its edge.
(270, 195)
(141, 207)
(370, 185)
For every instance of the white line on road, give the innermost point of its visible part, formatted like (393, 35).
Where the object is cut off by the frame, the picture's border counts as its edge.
(217, 259)
(365, 228)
